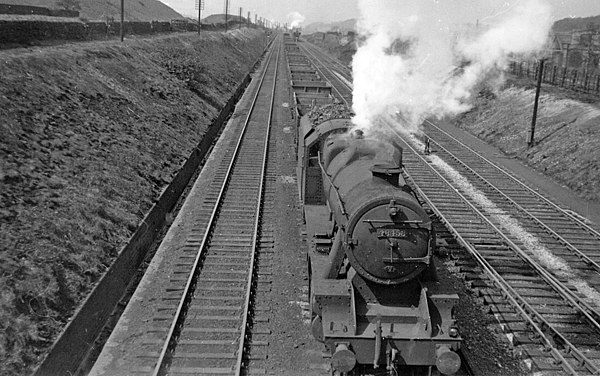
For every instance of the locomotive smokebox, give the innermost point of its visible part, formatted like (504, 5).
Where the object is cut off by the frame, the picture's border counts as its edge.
(387, 232)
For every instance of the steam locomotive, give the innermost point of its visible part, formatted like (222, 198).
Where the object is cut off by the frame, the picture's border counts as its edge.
(296, 33)
(375, 299)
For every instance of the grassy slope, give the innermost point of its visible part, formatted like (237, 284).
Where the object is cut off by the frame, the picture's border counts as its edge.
(138, 10)
(92, 133)
(578, 23)
(220, 19)
(343, 26)
(567, 132)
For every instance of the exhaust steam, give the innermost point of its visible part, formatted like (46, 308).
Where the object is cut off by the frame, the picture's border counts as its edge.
(295, 19)
(415, 62)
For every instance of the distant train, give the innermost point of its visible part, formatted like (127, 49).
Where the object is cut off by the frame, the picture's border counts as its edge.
(376, 302)
(296, 33)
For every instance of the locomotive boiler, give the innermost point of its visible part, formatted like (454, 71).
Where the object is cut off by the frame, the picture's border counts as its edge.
(375, 299)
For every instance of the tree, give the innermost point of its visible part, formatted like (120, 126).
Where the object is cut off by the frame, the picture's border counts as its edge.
(69, 5)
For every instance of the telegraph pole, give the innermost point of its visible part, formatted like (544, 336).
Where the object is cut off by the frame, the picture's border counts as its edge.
(240, 26)
(226, 14)
(248, 20)
(535, 104)
(122, 18)
(200, 5)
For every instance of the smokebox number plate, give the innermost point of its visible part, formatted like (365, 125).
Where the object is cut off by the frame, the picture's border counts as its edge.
(391, 233)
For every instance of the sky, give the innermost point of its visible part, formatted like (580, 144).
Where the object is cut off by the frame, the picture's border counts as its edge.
(339, 10)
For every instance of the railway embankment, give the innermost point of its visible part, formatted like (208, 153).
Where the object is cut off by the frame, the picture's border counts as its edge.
(567, 132)
(91, 135)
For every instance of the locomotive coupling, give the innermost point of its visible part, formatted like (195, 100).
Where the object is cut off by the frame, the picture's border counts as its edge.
(343, 360)
(447, 361)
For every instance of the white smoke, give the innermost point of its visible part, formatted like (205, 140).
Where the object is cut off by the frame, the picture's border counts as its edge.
(414, 64)
(295, 19)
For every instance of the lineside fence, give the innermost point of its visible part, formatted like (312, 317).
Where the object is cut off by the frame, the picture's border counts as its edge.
(570, 78)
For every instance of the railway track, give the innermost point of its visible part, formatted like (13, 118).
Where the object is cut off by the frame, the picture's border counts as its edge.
(331, 62)
(542, 257)
(570, 237)
(538, 309)
(535, 264)
(198, 308)
(209, 322)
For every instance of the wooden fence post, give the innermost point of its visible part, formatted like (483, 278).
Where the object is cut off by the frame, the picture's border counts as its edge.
(535, 103)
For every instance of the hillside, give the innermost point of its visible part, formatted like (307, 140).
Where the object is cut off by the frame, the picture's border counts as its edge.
(220, 18)
(567, 135)
(342, 26)
(578, 23)
(138, 10)
(563, 25)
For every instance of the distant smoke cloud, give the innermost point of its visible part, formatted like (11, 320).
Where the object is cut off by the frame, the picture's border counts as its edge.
(413, 64)
(295, 19)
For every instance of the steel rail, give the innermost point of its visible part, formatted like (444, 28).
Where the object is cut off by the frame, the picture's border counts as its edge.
(346, 72)
(522, 306)
(559, 237)
(243, 337)
(524, 309)
(588, 261)
(508, 174)
(312, 52)
(188, 290)
(324, 77)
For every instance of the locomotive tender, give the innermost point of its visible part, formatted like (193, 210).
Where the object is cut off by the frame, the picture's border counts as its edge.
(375, 299)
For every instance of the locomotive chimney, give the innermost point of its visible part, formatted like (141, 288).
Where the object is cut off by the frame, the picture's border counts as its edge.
(387, 172)
(358, 134)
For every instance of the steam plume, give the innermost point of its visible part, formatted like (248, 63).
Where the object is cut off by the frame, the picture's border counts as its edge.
(295, 19)
(413, 64)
